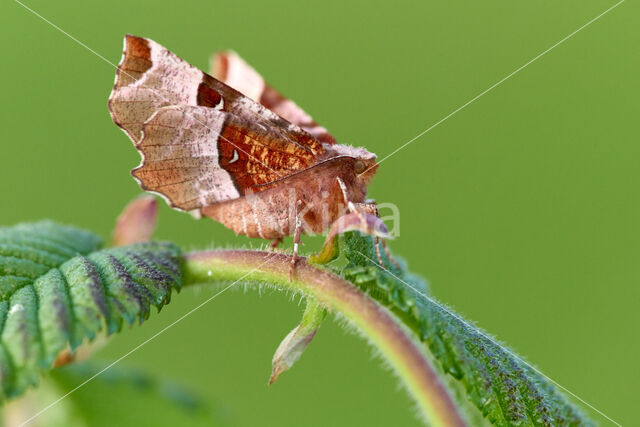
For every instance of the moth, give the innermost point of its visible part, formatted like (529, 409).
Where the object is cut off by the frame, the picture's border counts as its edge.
(230, 147)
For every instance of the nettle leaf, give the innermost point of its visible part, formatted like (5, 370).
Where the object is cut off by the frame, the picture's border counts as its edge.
(498, 383)
(57, 289)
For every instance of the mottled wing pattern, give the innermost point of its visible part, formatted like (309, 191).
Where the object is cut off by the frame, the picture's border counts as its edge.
(185, 160)
(231, 69)
(184, 148)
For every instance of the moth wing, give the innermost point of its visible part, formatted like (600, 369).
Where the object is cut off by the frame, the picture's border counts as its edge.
(231, 69)
(197, 156)
(150, 77)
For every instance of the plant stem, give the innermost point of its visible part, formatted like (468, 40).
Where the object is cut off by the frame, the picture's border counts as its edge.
(338, 295)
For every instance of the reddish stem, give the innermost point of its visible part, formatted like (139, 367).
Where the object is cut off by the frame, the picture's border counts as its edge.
(339, 295)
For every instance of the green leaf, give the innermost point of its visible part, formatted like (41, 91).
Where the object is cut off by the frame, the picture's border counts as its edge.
(57, 289)
(505, 389)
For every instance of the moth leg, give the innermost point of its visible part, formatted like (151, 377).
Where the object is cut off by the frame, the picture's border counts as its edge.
(296, 240)
(352, 206)
(388, 254)
(376, 242)
(275, 242)
(371, 208)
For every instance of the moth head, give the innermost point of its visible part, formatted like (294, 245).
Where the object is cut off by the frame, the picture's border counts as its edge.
(365, 167)
(364, 164)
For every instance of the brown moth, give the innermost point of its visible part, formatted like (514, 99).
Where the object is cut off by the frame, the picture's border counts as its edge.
(232, 148)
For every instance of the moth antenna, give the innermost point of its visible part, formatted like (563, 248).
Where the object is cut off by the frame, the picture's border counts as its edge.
(296, 240)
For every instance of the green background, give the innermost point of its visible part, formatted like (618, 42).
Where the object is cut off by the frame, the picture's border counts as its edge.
(522, 209)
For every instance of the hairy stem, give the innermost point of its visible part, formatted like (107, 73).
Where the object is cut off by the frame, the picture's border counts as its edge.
(340, 296)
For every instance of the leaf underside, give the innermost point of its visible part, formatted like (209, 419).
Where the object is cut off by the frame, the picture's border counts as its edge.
(57, 289)
(506, 390)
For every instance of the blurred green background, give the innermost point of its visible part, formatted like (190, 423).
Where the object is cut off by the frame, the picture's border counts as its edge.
(522, 209)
